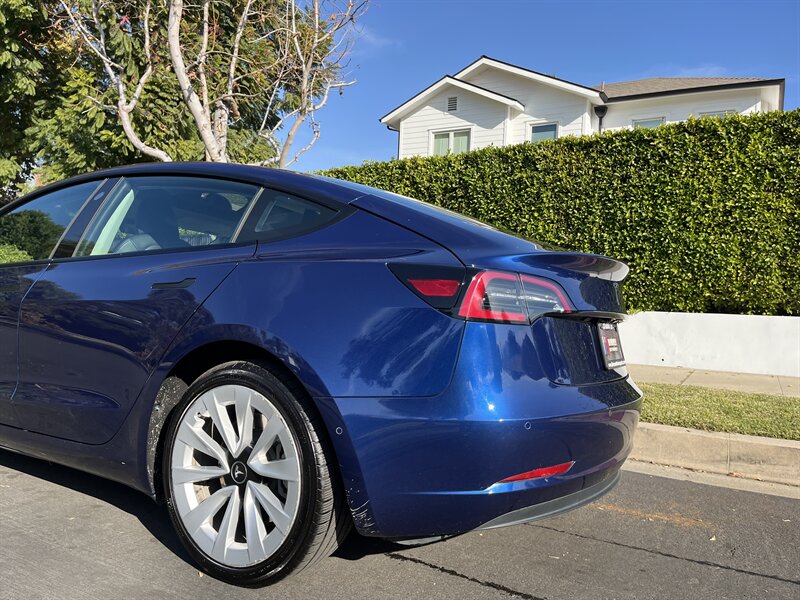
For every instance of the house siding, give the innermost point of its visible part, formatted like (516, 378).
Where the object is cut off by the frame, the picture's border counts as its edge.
(483, 117)
(679, 107)
(493, 123)
(543, 104)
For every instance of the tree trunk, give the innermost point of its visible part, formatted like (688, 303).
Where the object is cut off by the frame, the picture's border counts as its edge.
(287, 145)
(204, 126)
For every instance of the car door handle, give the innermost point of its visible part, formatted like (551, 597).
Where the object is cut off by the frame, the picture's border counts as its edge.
(174, 285)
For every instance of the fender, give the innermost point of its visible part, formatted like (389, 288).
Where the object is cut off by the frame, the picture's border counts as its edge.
(167, 389)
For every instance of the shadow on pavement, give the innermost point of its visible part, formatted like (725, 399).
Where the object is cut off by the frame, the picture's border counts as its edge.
(356, 547)
(154, 517)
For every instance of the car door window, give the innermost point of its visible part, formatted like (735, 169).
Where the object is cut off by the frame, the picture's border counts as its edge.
(32, 230)
(279, 215)
(145, 214)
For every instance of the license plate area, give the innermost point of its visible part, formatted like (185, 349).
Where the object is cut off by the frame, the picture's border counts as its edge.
(610, 345)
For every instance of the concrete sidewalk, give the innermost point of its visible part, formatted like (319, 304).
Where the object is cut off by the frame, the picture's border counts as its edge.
(743, 382)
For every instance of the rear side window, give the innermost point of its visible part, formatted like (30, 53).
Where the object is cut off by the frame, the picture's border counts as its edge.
(145, 214)
(31, 231)
(279, 215)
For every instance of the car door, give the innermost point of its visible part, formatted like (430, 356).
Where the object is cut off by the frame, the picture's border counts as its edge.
(95, 324)
(29, 232)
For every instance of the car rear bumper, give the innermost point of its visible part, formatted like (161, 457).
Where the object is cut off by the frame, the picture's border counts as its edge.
(426, 467)
(556, 506)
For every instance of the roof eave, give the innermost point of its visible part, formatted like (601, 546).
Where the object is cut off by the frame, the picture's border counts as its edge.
(707, 88)
(391, 118)
(588, 92)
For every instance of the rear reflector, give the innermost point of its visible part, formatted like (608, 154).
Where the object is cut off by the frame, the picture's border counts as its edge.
(436, 287)
(540, 473)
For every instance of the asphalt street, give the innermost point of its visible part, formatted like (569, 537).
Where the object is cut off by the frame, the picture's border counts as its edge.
(66, 535)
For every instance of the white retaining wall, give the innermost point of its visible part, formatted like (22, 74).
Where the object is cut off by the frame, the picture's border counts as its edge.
(738, 343)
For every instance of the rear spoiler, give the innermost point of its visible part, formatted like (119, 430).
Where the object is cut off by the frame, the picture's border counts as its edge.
(593, 265)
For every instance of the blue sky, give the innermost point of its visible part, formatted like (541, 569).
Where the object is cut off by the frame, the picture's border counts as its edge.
(405, 45)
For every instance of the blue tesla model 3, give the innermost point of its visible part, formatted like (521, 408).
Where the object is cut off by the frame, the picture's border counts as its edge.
(278, 357)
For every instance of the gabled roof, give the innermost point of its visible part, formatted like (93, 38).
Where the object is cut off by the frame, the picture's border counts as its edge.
(487, 61)
(606, 93)
(662, 86)
(413, 102)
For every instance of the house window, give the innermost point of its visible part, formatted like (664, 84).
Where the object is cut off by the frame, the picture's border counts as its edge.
(716, 113)
(548, 131)
(452, 103)
(450, 142)
(648, 123)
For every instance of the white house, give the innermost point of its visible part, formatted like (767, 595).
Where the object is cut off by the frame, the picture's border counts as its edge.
(494, 103)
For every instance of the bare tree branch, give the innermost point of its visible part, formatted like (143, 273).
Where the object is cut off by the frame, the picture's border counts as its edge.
(260, 67)
(195, 106)
(314, 42)
(116, 73)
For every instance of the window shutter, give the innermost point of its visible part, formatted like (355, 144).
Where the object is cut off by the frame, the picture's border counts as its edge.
(452, 103)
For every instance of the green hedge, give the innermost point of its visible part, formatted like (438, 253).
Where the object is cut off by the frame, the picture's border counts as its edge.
(706, 212)
(10, 253)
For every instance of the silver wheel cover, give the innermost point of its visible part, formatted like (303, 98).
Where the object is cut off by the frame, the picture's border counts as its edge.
(235, 475)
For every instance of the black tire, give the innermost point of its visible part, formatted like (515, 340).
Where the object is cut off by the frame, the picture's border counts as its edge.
(323, 520)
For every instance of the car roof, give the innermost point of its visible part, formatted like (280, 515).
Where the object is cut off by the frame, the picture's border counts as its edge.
(313, 188)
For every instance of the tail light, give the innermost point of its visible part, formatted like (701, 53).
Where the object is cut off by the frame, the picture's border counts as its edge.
(495, 296)
(511, 298)
(543, 296)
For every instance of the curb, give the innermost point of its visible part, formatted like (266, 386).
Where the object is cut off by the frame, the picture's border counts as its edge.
(751, 457)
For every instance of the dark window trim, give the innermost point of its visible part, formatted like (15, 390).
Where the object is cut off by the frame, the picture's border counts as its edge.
(208, 248)
(26, 263)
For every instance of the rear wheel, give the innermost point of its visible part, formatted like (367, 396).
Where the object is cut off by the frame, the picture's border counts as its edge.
(247, 480)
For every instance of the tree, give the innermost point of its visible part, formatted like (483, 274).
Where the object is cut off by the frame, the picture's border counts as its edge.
(27, 74)
(29, 232)
(230, 80)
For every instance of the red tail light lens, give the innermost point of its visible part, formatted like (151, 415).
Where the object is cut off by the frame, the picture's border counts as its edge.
(543, 296)
(438, 288)
(494, 296)
(437, 285)
(511, 298)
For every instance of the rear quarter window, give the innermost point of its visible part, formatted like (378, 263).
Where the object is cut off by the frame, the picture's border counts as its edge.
(279, 215)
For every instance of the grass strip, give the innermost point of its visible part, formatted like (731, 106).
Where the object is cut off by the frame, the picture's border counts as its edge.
(712, 409)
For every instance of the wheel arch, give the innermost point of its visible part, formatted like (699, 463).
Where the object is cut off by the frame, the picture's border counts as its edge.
(185, 370)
